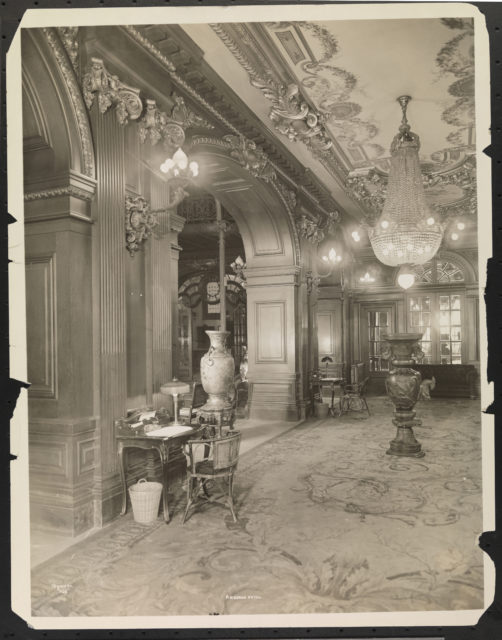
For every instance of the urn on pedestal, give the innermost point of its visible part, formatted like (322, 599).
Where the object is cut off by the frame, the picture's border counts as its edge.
(217, 372)
(403, 388)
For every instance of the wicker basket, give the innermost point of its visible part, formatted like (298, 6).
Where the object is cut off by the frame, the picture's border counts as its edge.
(145, 500)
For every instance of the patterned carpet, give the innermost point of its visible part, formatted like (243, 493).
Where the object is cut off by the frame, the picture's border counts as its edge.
(327, 523)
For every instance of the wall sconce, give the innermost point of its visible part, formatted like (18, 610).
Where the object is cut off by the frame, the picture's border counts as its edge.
(332, 258)
(179, 167)
(366, 278)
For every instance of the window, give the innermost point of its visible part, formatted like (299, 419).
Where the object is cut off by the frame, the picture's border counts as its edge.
(438, 317)
(450, 343)
(378, 326)
(420, 322)
(437, 312)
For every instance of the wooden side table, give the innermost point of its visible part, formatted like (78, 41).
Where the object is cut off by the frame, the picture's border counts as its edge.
(165, 446)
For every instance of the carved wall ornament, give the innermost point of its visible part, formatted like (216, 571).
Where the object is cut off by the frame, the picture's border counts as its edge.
(111, 92)
(309, 229)
(84, 128)
(251, 157)
(185, 117)
(139, 222)
(312, 283)
(69, 38)
(288, 194)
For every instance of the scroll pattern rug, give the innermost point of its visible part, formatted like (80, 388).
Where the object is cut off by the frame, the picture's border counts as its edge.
(327, 523)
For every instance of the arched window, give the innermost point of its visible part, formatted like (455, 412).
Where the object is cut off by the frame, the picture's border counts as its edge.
(438, 271)
(438, 313)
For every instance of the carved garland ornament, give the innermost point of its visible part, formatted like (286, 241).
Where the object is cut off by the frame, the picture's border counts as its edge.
(251, 157)
(155, 125)
(139, 223)
(68, 73)
(57, 192)
(111, 92)
(69, 38)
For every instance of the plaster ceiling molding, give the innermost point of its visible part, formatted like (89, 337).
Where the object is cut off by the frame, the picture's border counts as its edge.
(82, 118)
(456, 57)
(291, 113)
(69, 38)
(110, 92)
(251, 157)
(139, 222)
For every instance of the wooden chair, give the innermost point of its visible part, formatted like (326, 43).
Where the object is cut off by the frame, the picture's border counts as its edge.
(189, 413)
(354, 397)
(219, 462)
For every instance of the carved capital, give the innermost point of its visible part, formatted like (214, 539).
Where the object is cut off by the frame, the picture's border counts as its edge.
(139, 222)
(309, 229)
(110, 92)
(155, 125)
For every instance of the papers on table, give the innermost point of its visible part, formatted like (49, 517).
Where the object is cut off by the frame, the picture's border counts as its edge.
(146, 415)
(169, 432)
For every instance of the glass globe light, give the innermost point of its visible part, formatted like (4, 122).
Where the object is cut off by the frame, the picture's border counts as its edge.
(406, 280)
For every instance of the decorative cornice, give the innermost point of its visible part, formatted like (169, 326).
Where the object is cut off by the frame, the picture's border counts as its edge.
(139, 222)
(171, 69)
(68, 73)
(57, 192)
(111, 92)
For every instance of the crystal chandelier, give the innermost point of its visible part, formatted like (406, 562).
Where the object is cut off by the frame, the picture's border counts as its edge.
(406, 232)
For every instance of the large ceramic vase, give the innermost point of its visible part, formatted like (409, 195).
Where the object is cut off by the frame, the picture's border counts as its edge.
(403, 388)
(217, 372)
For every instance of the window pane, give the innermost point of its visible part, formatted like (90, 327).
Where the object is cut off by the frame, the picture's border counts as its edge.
(445, 334)
(383, 318)
(445, 349)
(455, 302)
(414, 306)
(455, 348)
(444, 302)
(444, 318)
(427, 334)
(426, 348)
(456, 360)
(455, 318)
(455, 333)
(415, 318)
(426, 304)
(445, 360)
(426, 319)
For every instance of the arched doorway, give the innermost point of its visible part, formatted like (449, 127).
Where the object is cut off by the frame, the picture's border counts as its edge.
(272, 255)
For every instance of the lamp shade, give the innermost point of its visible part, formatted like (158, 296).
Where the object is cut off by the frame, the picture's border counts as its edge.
(174, 387)
(406, 232)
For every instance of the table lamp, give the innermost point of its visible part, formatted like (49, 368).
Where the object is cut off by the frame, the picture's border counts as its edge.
(174, 388)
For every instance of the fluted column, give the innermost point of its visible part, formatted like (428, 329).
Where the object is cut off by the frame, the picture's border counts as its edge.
(110, 312)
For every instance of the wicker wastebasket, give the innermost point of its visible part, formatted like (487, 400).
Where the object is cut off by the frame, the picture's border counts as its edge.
(145, 500)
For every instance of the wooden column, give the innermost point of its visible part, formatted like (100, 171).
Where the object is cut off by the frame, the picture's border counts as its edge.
(110, 310)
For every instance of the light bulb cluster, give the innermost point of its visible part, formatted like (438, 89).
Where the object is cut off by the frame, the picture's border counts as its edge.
(179, 166)
(332, 257)
(366, 278)
(460, 226)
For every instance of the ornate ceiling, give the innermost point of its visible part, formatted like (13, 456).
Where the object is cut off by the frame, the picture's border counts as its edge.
(328, 91)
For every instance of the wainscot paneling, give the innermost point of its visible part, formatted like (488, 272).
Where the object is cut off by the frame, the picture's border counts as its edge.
(41, 331)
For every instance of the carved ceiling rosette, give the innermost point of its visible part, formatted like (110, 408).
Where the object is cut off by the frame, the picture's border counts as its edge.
(139, 222)
(110, 92)
(249, 156)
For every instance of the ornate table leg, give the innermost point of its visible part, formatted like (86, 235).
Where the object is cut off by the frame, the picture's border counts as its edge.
(163, 450)
(122, 478)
